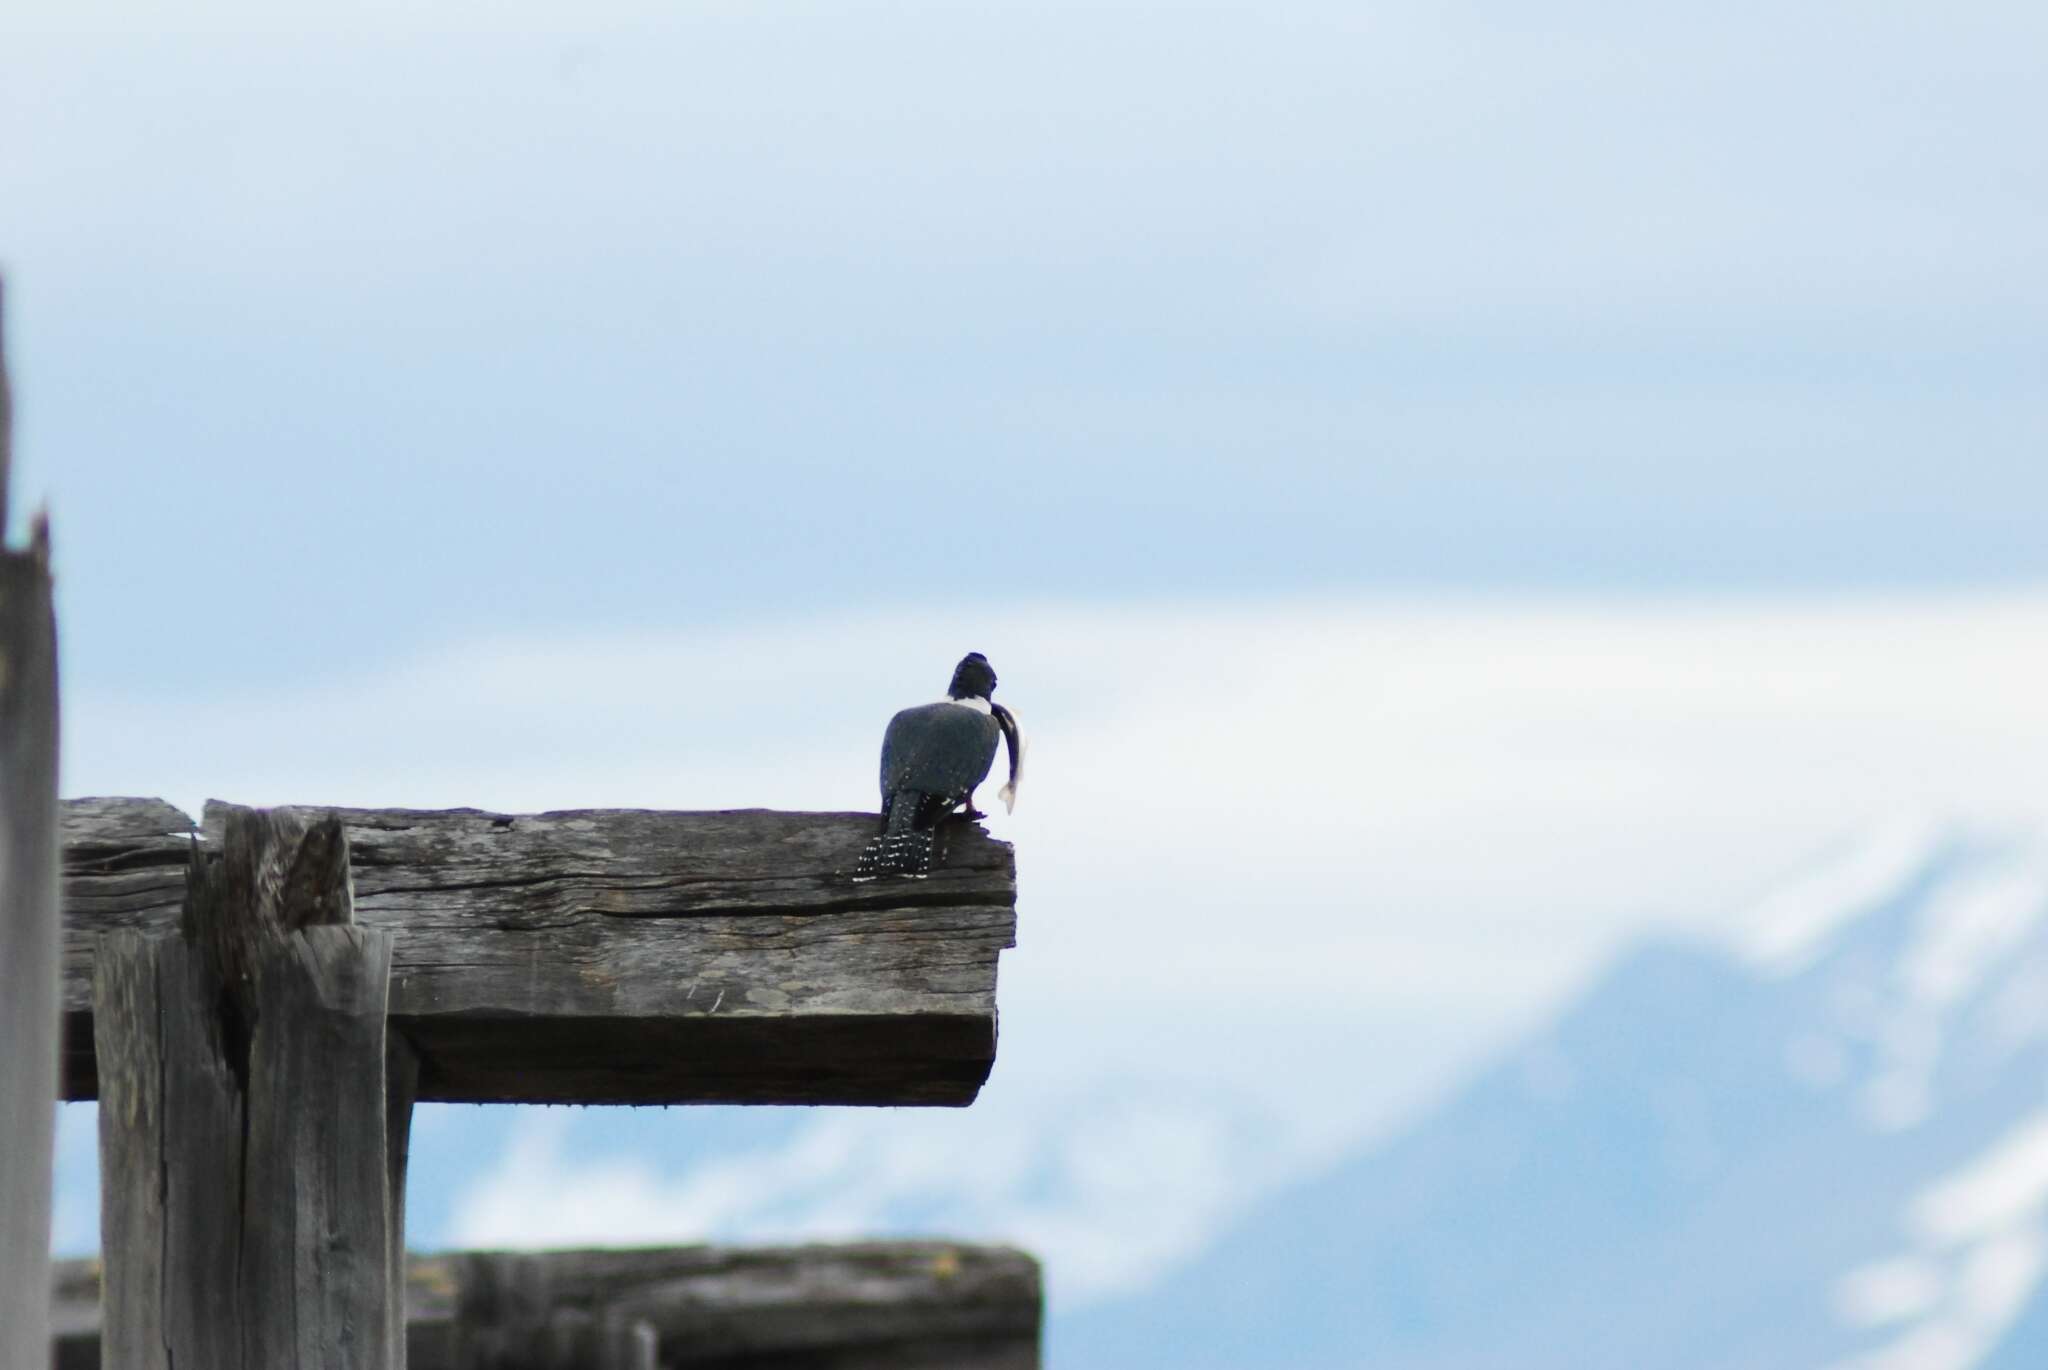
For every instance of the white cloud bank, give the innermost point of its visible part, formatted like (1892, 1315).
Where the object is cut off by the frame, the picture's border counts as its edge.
(1315, 853)
(1107, 1188)
(1981, 1251)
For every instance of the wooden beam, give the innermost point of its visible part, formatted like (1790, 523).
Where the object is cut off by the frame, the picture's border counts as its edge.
(28, 928)
(507, 1317)
(246, 1209)
(623, 956)
(900, 1305)
(905, 1305)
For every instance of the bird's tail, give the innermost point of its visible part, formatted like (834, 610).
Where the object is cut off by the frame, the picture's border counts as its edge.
(903, 848)
(896, 853)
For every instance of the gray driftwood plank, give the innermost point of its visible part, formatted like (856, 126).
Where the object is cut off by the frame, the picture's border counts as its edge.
(170, 1159)
(246, 1210)
(900, 1305)
(316, 1275)
(401, 1087)
(125, 863)
(864, 1306)
(625, 956)
(28, 927)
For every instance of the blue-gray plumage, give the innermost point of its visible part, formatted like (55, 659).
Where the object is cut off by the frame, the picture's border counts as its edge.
(937, 751)
(933, 757)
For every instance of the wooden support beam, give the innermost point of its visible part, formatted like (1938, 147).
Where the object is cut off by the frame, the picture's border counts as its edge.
(401, 1087)
(28, 926)
(871, 1306)
(622, 956)
(171, 1139)
(507, 1317)
(246, 1208)
(864, 1306)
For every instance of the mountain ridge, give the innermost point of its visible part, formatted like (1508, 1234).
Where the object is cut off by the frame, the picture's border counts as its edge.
(1705, 1162)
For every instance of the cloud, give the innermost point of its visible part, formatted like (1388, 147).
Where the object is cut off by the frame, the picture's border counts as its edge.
(1253, 824)
(1979, 1255)
(1107, 1185)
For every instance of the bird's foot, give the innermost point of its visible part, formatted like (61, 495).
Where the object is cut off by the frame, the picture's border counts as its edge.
(972, 814)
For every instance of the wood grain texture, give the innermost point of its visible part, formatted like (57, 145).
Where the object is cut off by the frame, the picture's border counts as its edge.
(171, 1148)
(625, 956)
(401, 1088)
(28, 934)
(316, 1208)
(125, 865)
(878, 1304)
(862, 1306)
(246, 1206)
(130, 1133)
(263, 875)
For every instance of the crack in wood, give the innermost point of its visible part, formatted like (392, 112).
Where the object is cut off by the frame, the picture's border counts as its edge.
(870, 994)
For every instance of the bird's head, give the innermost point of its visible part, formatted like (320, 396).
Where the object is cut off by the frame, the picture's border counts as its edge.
(973, 678)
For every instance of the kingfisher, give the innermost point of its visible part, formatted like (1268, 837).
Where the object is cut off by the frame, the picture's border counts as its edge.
(933, 756)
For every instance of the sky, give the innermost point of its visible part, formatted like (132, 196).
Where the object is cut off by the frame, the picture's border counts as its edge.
(1450, 488)
(408, 321)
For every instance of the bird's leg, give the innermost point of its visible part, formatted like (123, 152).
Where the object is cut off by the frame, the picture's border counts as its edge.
(968, 811)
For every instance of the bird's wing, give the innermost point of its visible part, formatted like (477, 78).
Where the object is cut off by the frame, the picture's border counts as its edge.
(939, 749)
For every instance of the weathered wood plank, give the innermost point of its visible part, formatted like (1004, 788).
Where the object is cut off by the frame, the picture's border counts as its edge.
(28, 927)
(626, 956)
(125, 864)
(132, 1092)
(401, 1087)
(881, 1304)
(316, 1208)
(863, 1306)
(170, 1158)
(508, 1318)
(246, 1207)
(501, 1309)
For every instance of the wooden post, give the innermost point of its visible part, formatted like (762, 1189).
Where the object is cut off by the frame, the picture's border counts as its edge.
(171, 1138)
(501, 1306)
(578, 1339)
(507, 1317)
(28, 926)
(401, 1088)
(258, 1012)
(245, 1129)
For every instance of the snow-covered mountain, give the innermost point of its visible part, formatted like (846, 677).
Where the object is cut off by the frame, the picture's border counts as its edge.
(1823, 1149)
